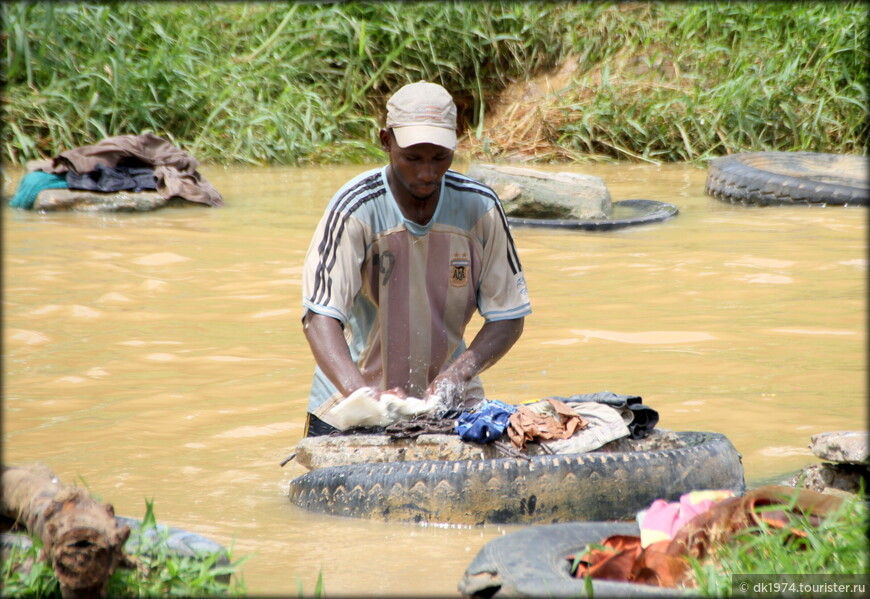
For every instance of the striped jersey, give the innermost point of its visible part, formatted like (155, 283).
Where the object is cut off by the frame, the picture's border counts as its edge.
(404, 292)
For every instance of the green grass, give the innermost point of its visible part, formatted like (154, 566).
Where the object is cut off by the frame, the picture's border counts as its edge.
(305, 82)
(839, 545)
(319, 590)
(164, 573)
(692, 81)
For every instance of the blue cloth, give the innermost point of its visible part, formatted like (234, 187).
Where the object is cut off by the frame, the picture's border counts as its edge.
(30, 186)
(485, 424)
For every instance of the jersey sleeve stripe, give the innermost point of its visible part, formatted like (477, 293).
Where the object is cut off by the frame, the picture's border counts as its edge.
(517, 312)
(343, 209)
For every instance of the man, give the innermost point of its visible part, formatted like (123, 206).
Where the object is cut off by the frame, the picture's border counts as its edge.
(401, 259)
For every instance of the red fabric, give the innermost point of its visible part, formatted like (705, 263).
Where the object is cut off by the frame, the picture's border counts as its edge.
(664, 563)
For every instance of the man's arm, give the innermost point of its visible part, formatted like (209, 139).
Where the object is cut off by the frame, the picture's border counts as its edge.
(491, 343)
(330, 350)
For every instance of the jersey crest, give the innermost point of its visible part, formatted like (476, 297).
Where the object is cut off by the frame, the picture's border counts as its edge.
(459, 270)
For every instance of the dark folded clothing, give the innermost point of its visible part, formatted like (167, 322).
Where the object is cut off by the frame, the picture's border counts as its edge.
(174, 169)
(645, 418)
(109, 179)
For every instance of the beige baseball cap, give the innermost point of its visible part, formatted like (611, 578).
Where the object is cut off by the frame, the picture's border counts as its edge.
(422, 112)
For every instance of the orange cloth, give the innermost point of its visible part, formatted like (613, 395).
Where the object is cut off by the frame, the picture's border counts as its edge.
(664, 563)
(525, 425)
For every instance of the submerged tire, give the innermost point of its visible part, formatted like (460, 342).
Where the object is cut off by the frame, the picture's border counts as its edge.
(181, 543)
(790, 178)
(533, 562)
(545, 488)
(642, 212)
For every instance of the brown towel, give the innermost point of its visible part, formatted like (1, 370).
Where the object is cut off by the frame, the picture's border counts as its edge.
(525, 425)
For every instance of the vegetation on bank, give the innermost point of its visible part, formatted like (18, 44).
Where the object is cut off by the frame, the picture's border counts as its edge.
(305, 82)
(837, 547)
(161, 572)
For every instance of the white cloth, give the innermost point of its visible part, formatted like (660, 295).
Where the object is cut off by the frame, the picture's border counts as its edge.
(360, 408)
(604, 424)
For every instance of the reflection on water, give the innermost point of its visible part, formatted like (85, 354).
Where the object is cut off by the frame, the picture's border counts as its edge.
(160, 355)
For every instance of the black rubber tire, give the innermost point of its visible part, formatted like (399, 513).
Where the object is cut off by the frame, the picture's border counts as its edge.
(790, 178)
(533, 563)
(546, 488)
(647, 211)
(181, 543)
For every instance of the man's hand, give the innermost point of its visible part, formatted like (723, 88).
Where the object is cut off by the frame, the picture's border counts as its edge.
(492, 342)
(397, 391)
(449, 388)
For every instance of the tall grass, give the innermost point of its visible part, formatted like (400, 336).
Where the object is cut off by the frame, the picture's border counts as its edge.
(692, 81)
(299, 82)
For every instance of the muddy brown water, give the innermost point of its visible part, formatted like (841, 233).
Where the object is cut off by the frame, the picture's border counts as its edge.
(160, 355)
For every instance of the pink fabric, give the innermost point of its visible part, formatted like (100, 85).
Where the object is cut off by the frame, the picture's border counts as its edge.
(663, 519)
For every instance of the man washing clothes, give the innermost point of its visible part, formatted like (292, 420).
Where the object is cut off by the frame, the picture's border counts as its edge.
(401, 259)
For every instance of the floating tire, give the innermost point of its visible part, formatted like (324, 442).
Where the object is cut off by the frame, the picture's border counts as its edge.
(790, 178)
(533, 562)
(543, 489)
(639, 212)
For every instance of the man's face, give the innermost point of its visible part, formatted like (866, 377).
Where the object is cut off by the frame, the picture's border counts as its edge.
(417, 169)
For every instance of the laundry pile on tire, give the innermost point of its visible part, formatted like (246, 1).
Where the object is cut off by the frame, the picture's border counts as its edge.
(554, 425)
(559, 425)
(92, 176)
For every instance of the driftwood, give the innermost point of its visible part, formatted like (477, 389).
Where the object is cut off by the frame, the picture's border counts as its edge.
(81, 539)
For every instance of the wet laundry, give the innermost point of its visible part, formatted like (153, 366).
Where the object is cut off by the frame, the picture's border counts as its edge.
(486, 423)
(30, 186)
(526, 424)
(427, 424)
(603, 425)
(109, 179)
(644, 418)
(174, 169)
(360, 409)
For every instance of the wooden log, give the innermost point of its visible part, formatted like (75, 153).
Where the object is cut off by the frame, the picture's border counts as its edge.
(81, 539)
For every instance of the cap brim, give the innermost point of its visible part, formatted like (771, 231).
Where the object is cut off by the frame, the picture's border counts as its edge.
(425, 134)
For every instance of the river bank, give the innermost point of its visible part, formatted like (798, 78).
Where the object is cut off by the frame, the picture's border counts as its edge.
(266, 83)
